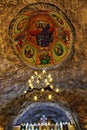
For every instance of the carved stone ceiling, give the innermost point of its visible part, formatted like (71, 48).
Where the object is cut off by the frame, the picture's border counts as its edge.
(71, 77)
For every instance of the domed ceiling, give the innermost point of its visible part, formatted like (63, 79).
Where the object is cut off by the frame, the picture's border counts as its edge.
(42, 38)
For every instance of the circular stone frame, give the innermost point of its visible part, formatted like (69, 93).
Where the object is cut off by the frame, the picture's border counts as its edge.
(42, 36)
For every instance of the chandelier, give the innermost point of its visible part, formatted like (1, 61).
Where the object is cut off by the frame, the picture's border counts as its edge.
(42, 81)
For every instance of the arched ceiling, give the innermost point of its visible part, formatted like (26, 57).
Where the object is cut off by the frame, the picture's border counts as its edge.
(35, 111)
(71, 77)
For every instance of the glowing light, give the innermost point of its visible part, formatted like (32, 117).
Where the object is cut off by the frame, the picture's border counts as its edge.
(57, 90)
(49, 96)
(35, 98)
(44, 71)
(49, 76)
(45, 80)
(25, 92)
(51, 86)
(31, 86)
(29, 81)
(37, 81)
(42, 90)
(50, 79)
(47, 83)
(35, 72)
(48, 122)
(32, 77)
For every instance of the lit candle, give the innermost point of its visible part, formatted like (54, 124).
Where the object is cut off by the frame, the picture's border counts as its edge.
(25, 92)
(57, 90)
(37, 81)
(42, 90)
(35, 98)
(32, 77)
(49, 96)
(44, 71)
(50, 79)
(45, 80)
(31, 86)
(51, 86)
(29, 81)
(49, 76)
(35, 72)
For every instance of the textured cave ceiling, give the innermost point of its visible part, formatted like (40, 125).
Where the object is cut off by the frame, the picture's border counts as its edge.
(71, 77)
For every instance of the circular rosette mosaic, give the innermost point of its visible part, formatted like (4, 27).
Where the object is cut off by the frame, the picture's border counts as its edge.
(42, 36)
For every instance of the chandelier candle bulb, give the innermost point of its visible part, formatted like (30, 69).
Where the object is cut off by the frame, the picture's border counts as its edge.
(39, 76)
(49, 96)
(35, 72)
(32, 77)
(51, 86)
(29, 81)
(47, 83)
(25, 92)
(35, 98)
(57, 90)
(50, 79)
(37, 81)
(32, 86)
(42, 90)
(45, 80)
(44, 71)
(49, 123)
(49, 76)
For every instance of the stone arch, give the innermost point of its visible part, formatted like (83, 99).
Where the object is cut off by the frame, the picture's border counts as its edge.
(57, 112)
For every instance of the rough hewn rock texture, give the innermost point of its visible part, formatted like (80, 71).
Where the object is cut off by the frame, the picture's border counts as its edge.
(71, 77)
